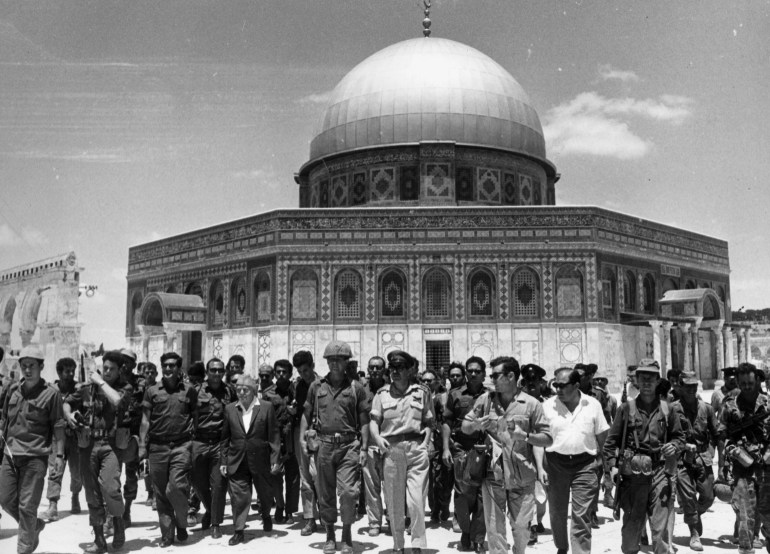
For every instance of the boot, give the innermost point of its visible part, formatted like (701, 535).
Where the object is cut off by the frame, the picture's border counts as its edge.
(127, 514)
(52, 513)
(119, 532)
(330, 546)
(695, 543)
(107, 527)
(75, 509)
(99, 546)
(347, 537)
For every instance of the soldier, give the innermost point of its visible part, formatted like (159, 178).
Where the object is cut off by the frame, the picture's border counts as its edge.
(645, 437)
(440, 481)
(340, 411)
(400, 427)
(132, 422)
(281, 395)
(209, 483)
(95, 411)
(456, 444)
(695, 478)
(31, 416)
(166, 432)
(148, 376)
(744, 426)
(730, 387)
(372, 470)
(456, 375)
(65, 369)
(303, 361)
(514, 423)
(235, 367)
(600, 382)
(196, 374)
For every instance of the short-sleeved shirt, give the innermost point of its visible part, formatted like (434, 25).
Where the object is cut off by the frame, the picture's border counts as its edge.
(459, 403)
(105, 415)
(340, 410)
(575, 432)
(29, 417)
(171, 411)
(65, 391)
(516, 463)
(399, 414)
(210, 408)
(281, 399)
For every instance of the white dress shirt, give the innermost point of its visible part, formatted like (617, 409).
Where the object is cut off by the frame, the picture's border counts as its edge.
(575, 432)
(246, 413)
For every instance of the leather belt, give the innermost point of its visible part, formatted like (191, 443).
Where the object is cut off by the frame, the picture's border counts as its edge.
(337, 438)
(102, 434)
(404, 437)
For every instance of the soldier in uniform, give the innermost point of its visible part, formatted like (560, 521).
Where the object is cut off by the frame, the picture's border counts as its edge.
(645, 437)
(456, 444)
(281, 395)
(166, 434)
(341, 412)
(440, 481)
(209, 483)
(401, 429)
(695, 478)
(31, 415)
(235, 367)
(65, 369)
(303, 361)
(95, 411)
(372, 470)
(456, 375)
(131, 421)
(744, 426)
(718, 397)
(148, 376)
(600, 382)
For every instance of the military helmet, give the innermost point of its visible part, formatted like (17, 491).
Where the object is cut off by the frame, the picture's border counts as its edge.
(338, 349)
(723, 492)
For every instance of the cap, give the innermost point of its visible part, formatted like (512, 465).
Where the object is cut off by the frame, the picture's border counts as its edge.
(728, 371)
(33, 352)
(530, 372)
(247, 381)
(648, 365)
(601, 378)
(129, 353)
(265, 369)
(405, 358)
(688, 378)
(338, 348)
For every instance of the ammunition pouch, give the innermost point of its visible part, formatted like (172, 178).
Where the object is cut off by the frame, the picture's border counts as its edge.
(311, 440)
(83, 434)
(634, 465)
(122, 436)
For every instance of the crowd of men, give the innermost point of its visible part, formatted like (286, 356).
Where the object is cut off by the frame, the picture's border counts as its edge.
(487, 444)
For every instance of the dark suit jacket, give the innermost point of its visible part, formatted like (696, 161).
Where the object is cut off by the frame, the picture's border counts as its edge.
(261, 443)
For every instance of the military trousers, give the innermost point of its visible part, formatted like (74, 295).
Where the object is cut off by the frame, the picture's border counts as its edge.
(405, 478)
(469, 508)
(170, 467)
(100, 471)
(695, 488)
(21, 488)
(441, 481)
(307, 478)
(518, 502)
(575, 477)
(372, 475)
(751, 504)
(641, 498)
(71, 459)
(209, 483)
(338, 472)
(285, 486)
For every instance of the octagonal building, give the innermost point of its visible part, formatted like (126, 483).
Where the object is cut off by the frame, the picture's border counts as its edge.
(428, 222)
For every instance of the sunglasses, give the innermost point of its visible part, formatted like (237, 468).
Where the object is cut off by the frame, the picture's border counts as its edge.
(473, 371)
(169, 364)
(428, 381)
(559, 386)
(398, 367)
(495, 376)
(217, 370)
(242, 390)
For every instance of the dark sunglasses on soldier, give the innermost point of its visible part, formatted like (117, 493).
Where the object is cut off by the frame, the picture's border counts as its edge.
(559, 386)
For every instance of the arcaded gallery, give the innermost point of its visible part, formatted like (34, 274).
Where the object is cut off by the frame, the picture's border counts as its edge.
(427, 221)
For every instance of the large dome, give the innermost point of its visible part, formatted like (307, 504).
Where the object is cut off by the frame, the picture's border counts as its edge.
(428, 89)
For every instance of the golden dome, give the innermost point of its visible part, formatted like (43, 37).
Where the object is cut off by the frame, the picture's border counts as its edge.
(428, 89)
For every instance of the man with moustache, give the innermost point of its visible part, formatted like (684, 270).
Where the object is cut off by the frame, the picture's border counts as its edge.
(303, 361)
(235, 368)
(30, 418)
(207, 479)
(95, 410)
(377, 377)
(341, 414)
(166, 435)
(250, 452)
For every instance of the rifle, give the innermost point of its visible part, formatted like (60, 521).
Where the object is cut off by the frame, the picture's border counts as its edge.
(618, 461)
(739, 429)
(748, 440)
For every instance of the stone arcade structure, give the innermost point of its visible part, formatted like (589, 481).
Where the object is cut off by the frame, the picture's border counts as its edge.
(428, 222)
(39, 304)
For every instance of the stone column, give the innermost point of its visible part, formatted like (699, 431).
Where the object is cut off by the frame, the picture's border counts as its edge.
(727, 339)
(746, 344)
(26, 336)
(685, 328)
(719, 337)
(740, 345)
(5, 335)
(665, 360)
(695, 329)
(172, 339)
(656, 343)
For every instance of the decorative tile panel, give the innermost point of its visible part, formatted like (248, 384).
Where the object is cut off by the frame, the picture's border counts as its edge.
(482, 344)
(370, 293)
(382, 185)
(570, 345)
(525, 190)
(302, 340)
(323, 194)
(502, 290)
(591, 285)
(339, 191)
(263, 348)
(547, 271)
(464, 183)
(409, 183)
(414, 289)
(509, 189)
(282, 297)
(488, 185)
(436, 181)
(326, 292)
(392, 340)
(359, 188)
(459, 288)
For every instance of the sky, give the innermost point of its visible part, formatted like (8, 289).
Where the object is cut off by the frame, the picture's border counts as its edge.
(126, 121)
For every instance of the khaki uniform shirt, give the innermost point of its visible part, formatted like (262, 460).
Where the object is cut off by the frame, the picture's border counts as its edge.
(29, 417)
(398, 414)
(170, 411)
(342, 410)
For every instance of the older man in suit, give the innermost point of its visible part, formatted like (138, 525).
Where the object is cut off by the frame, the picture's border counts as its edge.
(250, 450)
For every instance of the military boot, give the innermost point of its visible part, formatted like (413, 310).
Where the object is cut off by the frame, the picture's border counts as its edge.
(75, 509)
(119, 532)
(695, 543)
(127, 514)
(52, 513)
(99, 546)
(330, 546)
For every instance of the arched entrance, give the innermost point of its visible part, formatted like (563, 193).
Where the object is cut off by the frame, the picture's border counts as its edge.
(172, 322)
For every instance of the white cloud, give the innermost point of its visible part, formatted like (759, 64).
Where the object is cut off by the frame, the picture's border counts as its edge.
(596, 125)
(28, 236)
(316, 98)
(609, 73)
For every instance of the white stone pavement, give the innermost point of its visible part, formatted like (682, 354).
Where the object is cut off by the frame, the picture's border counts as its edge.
(71, 533)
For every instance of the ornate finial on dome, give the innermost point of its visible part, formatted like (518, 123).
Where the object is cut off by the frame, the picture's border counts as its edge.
(426, 22)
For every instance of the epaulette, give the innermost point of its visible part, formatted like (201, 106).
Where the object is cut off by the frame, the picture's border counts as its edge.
(383, 388)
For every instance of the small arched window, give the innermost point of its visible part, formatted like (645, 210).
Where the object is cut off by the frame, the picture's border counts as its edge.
(392, 294)
(348, 295)
(526, 293)
(668, 284)
(196, 289)
(629, 291)
(649, 294)
(569, 292)
(238, 300)
(217, 304)
(609, 290)
(262, 298)
(481, 293)
(437, 293)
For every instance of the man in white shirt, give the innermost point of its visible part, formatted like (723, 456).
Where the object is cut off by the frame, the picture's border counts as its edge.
(579, 430)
